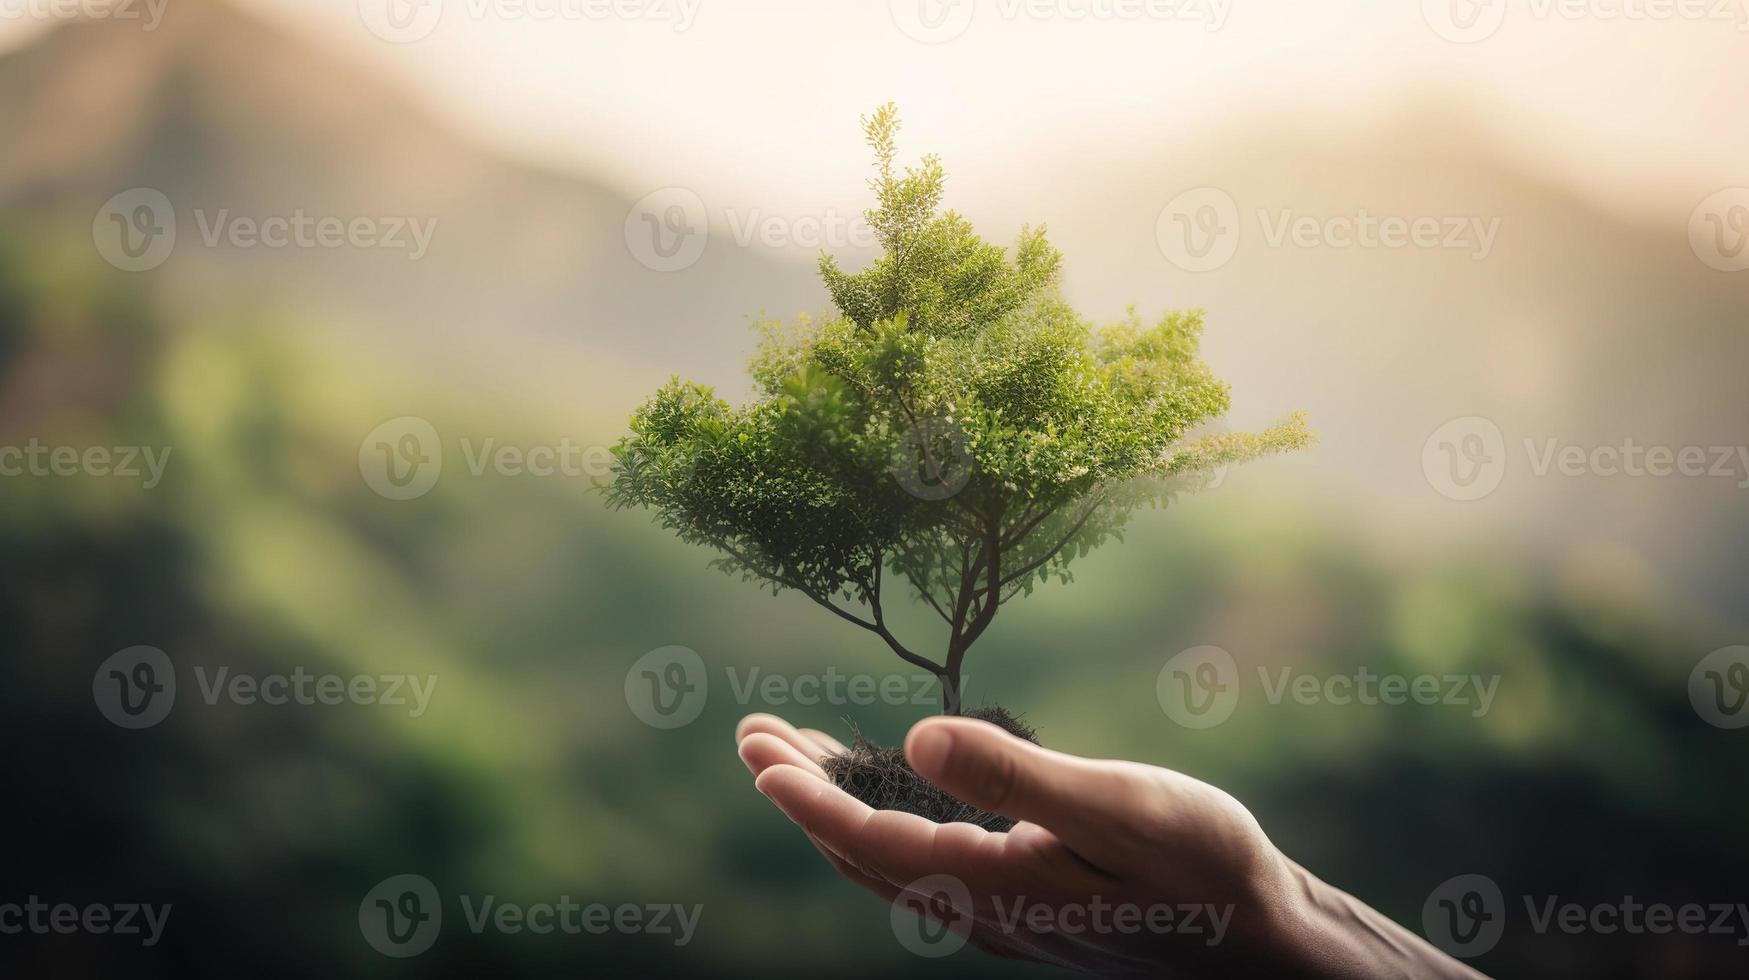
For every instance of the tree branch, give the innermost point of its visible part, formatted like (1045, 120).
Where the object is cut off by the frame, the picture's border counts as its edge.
(924, 588)
(989, 601)
(789, 581)
(1028, 523)
(1068, 535)
(880, 627)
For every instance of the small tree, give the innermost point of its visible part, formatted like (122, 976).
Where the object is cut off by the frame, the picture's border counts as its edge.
(957, 427)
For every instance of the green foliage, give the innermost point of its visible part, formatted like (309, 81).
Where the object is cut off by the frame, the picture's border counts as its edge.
(958, 426)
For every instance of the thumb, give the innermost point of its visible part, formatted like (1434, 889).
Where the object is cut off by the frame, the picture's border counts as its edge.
(1089, 805)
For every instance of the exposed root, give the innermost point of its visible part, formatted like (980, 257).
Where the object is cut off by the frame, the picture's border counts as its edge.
(879, 776)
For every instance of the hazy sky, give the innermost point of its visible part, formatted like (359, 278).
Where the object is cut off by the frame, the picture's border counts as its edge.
(762, 95)
(1630, 100)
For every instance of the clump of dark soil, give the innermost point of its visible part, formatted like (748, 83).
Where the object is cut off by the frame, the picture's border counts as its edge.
(879, 776)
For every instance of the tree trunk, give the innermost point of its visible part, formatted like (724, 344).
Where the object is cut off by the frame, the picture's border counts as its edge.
(950, 692)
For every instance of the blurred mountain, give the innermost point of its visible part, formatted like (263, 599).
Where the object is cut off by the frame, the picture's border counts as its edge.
(1580, 323)
(225, 113)
(1577, 314)
(1576, 323)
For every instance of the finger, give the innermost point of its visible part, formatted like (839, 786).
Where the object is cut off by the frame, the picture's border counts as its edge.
(760, 721)
(894, 846)
(761, 751)
(825, 741)
(772, 725)
(1099, 809)
(830, 818)
(879, 886)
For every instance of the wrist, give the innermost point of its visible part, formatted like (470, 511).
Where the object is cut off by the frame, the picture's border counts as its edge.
(1315, 929)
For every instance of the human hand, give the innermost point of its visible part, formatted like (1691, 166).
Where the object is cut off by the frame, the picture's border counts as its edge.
(1115, 868)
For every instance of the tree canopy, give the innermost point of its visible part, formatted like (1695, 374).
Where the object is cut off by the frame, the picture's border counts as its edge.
(956, 429)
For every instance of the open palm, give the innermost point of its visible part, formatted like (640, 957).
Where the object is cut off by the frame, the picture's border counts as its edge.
(1115, 868)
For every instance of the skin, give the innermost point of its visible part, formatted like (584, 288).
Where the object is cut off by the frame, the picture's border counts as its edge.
(1092, 834)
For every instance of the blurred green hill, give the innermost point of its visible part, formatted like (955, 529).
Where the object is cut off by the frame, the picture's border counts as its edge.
(530, 776)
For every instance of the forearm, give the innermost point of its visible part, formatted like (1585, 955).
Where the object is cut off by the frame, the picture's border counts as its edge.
(1323, 931)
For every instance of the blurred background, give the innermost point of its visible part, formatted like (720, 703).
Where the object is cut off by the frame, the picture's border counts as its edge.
(516, 220)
